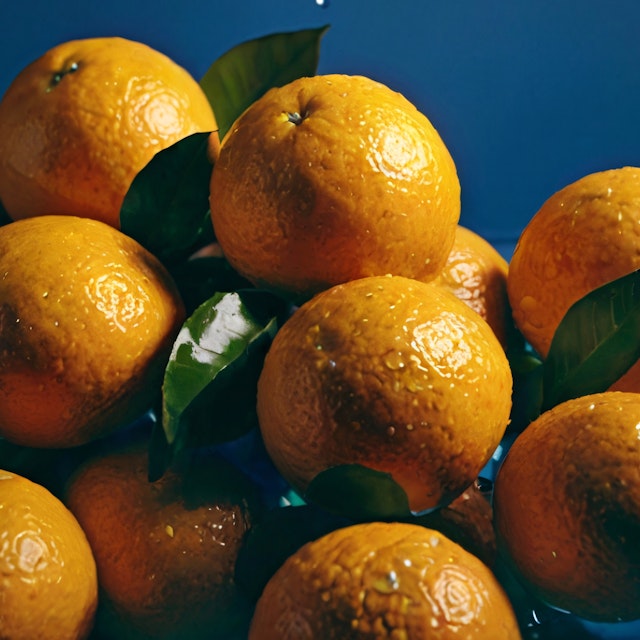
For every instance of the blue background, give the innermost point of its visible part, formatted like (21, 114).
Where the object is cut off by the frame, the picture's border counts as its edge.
(528, 96)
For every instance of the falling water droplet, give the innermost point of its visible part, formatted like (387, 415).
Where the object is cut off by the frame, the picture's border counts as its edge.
(322, 3)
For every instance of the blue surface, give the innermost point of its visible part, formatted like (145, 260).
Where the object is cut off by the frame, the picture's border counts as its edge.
(529, 96)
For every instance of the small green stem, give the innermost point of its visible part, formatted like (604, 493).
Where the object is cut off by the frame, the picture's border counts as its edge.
(57, 77)
(296, 118)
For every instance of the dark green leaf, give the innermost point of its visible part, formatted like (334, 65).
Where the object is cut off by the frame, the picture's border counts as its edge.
(243, 74)
(209, 388)
(358, 492)
(198, 279)
(4, 216)
(527, 389)
(167, 206)
(597, 341)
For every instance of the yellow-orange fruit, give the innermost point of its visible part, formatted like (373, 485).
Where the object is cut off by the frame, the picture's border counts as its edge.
(391, 373)
(476, 273)
(165, 550)
(332, 178)
(567, 506)
(48, 583)
(583, 236)
(87, 322)
(383, 580)
(78, 123)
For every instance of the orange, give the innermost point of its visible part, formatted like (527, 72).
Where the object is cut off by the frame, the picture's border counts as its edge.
(78, 123)
(477, 274)
(567, 506)
(391, 373)
(166, 550)
(582, 237)
(48, 584)
(332, 178)
(87, 322)
(383, 580)
(467, 520)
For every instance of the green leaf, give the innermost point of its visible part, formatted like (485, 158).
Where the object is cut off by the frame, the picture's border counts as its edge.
(527, 388)
(244, 73)
(166, 208)
(597, 341)
(4, 216)
(200, 278)
(209, 389)
(358, 492)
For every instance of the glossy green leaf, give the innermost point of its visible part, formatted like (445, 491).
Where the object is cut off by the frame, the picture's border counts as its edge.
(597, 341)
(243, 74)
(166, 208)
(358, 492)
(209, 389)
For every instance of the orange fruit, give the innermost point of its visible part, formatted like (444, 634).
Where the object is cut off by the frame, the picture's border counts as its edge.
(332, 178)
(476, 273)
(78, 123)
(166, 550)
(87, 322)
(390, 373)
(467, 520)
(567, 506)
(582, 237)
(48, 584)
(383, 580)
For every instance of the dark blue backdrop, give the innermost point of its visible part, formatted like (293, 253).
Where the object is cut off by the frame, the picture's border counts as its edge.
(528, 96)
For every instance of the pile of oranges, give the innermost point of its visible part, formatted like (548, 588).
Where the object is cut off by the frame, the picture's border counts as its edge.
(373, 400)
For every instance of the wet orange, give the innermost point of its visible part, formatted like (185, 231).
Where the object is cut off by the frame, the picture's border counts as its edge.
(476, 273)
(567, 506)
(583, 236)
(78, 123)
(383, 580)
(87, 322)
(467, 520)
(332, 178)
(48, 584)
(166, 550)
(391, 373)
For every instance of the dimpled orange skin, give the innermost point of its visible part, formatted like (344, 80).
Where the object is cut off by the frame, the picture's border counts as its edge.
(332, 178)
(467, 520)
(78, 123)
(583, 236)
(48, 583)
(166, 550)
(567, 506)
(476, 273)
(87, 321)
(391, 373)
(383, 580)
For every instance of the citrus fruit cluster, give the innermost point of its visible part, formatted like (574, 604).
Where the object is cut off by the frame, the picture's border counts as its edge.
(257, 380)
